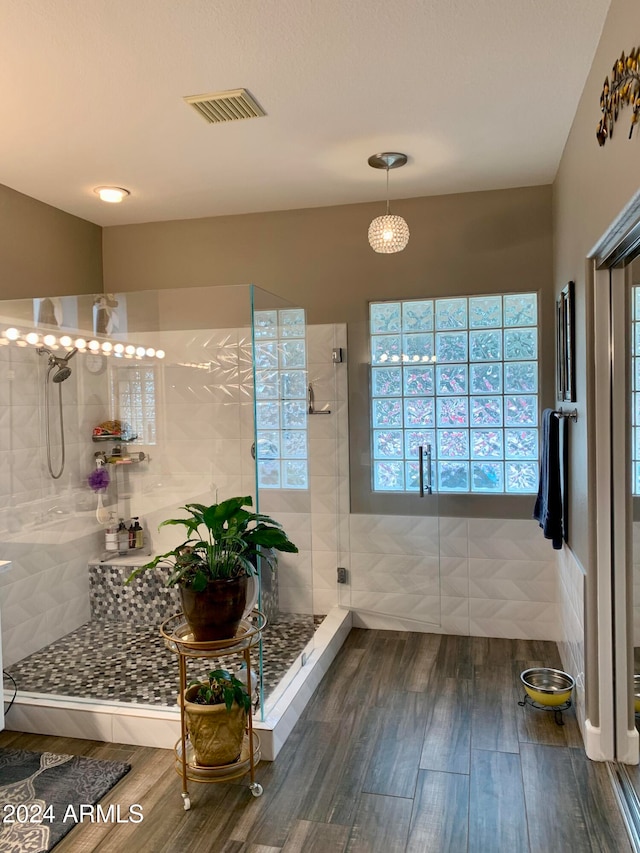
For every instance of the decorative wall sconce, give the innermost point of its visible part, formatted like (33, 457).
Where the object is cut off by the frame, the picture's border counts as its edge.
(623, 89)
(388, 233)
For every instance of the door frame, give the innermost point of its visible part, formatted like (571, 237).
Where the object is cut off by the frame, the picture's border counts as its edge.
(609, 593)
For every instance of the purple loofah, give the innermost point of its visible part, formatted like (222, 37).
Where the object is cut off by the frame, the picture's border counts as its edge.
(99, 479)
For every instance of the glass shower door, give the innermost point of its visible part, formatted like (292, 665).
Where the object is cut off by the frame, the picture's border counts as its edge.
(393, 563)
(392, 543)
(281, 458)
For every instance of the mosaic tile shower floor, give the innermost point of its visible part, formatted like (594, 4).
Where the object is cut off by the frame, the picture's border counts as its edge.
(115, 661)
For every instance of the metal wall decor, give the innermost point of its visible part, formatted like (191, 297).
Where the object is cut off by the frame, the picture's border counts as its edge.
(624, 88)
(565, 345)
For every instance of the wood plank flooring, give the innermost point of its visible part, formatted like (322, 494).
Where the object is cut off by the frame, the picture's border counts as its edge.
(413, 743)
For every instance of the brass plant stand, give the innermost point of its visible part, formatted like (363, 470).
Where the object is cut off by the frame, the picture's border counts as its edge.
(178, 639)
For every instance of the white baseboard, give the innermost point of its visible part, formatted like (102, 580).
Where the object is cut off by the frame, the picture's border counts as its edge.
(630, 748)
(593, 743)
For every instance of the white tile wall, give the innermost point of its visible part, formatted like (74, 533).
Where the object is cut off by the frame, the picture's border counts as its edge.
(497, 578)
(636, 581)
(571, 579)
(47, 527)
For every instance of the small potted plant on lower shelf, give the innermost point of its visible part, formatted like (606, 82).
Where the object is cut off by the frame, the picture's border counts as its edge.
(216, 709)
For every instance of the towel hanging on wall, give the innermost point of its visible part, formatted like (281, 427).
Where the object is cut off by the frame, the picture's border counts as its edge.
(548, 509)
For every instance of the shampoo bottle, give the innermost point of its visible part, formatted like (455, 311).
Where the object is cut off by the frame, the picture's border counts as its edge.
(139, 535)
(123, 537)
(111, 534)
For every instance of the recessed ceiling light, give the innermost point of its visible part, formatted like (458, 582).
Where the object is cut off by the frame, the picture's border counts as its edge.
(111, 194)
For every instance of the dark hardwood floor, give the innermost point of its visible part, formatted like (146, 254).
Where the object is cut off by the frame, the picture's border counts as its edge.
(412, 743)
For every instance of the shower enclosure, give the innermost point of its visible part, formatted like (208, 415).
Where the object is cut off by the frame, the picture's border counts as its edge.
(185, 395)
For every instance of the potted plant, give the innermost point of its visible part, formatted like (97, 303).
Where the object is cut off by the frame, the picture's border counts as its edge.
(216, 710)
(212, 566)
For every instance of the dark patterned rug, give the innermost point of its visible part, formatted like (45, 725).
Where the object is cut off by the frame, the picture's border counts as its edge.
(43, 796)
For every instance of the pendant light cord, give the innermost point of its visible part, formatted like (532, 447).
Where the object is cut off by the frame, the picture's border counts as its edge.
(387, 190)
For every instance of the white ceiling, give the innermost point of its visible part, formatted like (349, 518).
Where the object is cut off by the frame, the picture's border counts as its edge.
(479, 93)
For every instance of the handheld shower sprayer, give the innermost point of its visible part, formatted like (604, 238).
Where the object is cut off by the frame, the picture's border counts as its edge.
(60, 364)
(58, 361)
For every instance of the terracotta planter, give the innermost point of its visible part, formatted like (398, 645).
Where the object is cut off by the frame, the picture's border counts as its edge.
(215, 733)
(215, 613)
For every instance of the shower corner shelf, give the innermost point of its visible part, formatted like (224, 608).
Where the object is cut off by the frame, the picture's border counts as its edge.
(179, 640)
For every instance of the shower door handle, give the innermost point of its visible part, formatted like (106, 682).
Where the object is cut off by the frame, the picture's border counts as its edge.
(311, 408)
(422, 451)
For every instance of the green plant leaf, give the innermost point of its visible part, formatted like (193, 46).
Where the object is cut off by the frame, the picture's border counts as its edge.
(199, 508)
(200, 581)
(225, 510)
(271, 538)
(189, 523)
(230, 547)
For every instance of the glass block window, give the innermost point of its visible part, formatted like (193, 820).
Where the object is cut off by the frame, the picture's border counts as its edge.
(281, 399)
(460, 374)
(134, 395)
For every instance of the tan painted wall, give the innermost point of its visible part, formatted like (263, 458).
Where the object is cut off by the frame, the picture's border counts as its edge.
(470, 243)
(592, 186)
(44, 251)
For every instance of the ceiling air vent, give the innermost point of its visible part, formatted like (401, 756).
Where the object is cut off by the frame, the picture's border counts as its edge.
(226, 106)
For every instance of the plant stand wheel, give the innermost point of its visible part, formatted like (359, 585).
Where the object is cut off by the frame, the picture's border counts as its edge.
(256, 789)
(186, 800)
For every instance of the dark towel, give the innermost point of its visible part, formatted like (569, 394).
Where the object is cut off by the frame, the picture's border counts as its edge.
(548, 508)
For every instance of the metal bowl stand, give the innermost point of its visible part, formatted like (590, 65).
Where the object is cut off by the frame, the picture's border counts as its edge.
(557, 709)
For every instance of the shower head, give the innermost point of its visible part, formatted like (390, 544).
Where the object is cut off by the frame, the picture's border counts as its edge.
(63, 370)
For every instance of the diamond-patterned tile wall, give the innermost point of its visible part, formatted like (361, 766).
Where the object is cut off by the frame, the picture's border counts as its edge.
(199, 454)
(636, 582)
(497, 577)
(47, 527)
(571, 578)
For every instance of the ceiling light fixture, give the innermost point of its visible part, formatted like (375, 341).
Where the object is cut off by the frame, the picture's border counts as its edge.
(113, 195)
(388, 233)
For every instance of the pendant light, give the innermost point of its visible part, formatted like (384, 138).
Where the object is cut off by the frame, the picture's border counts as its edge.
(388, 233)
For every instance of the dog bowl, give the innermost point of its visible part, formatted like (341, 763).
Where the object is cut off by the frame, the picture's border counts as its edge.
(636, 693)
(546, 686)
